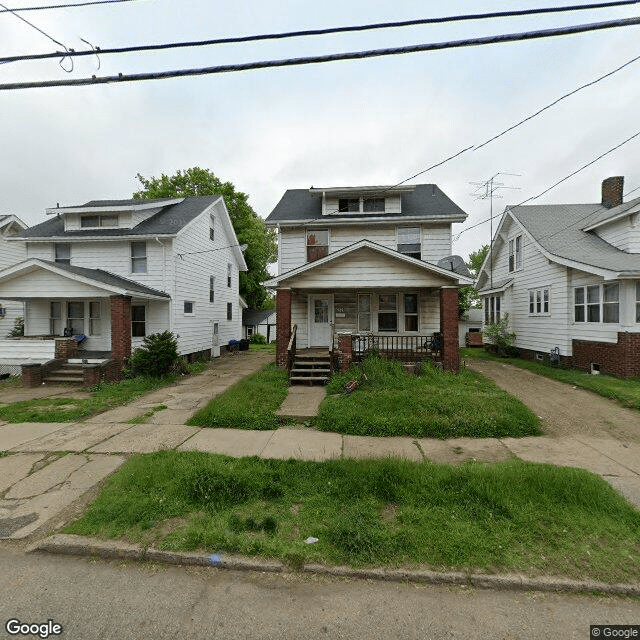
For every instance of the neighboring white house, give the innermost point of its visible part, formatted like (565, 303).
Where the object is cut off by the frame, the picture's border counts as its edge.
(116, 271)
(263, 322)
(360, 262)
(569, 277)
(472, 323)
(10, 253)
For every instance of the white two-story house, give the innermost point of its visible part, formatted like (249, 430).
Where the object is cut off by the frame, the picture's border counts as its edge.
(111, 272)
(568, 275)
(367, 266)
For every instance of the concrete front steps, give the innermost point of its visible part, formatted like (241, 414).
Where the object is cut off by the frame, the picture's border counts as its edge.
(66, 374)
(311, 367)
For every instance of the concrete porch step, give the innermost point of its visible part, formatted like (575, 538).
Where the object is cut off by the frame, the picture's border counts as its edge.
(325, 371)
(57, 378)
(309, 379)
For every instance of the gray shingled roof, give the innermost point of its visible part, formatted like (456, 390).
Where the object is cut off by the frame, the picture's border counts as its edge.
(251, 317)
(425, 200)
(603, 214)
(110, 279)
(118, 203)
(168, 221)
(558, 229)
(497, 284)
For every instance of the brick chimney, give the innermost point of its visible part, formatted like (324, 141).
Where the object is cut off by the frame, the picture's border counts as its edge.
(612, 191)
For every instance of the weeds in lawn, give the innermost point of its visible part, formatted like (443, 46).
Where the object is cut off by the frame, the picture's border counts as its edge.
(251, 403)
(434, 404)
(513, 515)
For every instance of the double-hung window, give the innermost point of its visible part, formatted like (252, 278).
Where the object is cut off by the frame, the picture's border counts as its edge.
(229, 275)
(597, 303)
(138, 321)
(515, 254)
(387, 312)
(539, 301)
(492, 309)
(317, 244)
(229, 311)
(62, 253)
(411, 312)
(95, 327)
(364, 312)
(189, 306)
(409, 242)
(212, 288)
(90, 222)
(348, 205)
(138, 257)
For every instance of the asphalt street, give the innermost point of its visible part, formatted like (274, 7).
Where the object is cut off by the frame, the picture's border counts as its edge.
(105, 600)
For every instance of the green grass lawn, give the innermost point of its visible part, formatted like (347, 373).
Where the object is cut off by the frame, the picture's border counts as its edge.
(625, 391)
(271, 347)
(251, 403)
(510, 516)
(103, 397)
(434, 404)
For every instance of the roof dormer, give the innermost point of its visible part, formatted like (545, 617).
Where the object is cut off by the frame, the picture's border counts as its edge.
(110, 214)
(361, 201)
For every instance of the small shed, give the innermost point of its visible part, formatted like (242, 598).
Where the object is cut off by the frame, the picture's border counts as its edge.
(263, 322)
(471, 324)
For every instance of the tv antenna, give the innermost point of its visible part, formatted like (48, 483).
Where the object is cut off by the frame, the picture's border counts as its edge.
(487, 191)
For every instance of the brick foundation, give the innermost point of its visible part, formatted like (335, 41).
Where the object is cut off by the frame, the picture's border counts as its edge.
(528, 354)
(620, 359)
(283, 325)
(120, 328)
(449, 329)
(31, 375)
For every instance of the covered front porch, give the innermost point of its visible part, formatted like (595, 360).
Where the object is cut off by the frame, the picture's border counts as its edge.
(78, 313)
(369, 298)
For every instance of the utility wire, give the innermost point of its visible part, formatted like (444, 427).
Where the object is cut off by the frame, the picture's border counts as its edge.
(353, 55)
(505, 131)
(44, 34)
(553, 186)
(329, 30)
(63, 6)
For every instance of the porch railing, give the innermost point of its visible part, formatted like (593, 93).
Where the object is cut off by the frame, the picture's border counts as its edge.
(291, 348)
(404, 348)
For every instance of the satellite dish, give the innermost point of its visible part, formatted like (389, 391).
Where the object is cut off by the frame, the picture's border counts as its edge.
(455, 264)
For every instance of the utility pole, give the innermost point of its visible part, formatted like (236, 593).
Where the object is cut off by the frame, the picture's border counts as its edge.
(486, 191)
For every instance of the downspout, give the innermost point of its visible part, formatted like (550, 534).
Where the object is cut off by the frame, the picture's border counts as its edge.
(164, 279)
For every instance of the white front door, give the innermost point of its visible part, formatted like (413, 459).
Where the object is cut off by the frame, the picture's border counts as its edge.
(320, 312)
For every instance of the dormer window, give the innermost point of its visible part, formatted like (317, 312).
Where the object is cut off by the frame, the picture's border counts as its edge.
(373, 205)
(361, 205)
(347, 205)
(89, 222)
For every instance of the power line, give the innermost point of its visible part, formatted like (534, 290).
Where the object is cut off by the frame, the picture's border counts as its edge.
(63, 6)
(353, 55)
(573, 173)
(505, 131)
(315, 32)
(44, 33)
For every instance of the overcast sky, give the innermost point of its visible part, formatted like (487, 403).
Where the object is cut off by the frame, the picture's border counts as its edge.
(374, 121)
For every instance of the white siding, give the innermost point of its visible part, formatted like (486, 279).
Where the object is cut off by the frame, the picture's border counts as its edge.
(436, 241)
(536, 333)
(192, 284)
(623, 234)
(10, 254)
(366, 268)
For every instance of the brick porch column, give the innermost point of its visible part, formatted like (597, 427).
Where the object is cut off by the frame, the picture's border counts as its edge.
(120, 328)
(345, 351)
(283, 325)
(449, 328)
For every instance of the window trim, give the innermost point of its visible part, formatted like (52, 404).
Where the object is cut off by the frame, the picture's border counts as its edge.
(141, 259)
(537, 302)
(307, 233)
(409, 244)
(600, 305)
(516, 255)
(139, 322)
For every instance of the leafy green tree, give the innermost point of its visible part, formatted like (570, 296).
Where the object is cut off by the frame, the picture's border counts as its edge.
(468, 297)
(249, 227)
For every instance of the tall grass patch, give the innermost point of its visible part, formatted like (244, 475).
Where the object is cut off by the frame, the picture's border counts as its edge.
(251, 403)
(511, 516)
(434, 404)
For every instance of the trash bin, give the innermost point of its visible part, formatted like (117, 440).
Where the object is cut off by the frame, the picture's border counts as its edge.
(244, 344)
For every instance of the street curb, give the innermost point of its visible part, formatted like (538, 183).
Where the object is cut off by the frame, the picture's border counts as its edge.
(115, 550)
